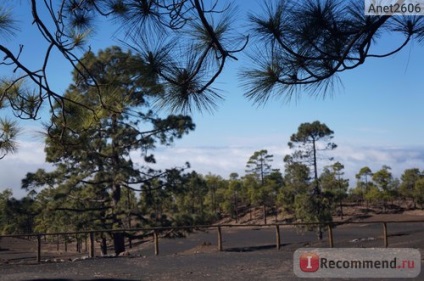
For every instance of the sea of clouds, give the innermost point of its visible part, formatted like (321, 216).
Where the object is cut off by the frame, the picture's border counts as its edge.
(221, 160)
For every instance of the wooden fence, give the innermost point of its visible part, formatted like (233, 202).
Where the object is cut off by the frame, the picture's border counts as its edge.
(155, 231)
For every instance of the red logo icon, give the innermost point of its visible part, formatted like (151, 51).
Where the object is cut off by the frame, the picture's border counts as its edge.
(309, 262)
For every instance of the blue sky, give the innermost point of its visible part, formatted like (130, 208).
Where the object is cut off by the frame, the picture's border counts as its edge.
(376, 114)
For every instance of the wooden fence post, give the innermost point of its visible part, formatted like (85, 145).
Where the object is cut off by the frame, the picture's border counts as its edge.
(386, 241)
(38, 248)
(277, 236)
(330, 236)
(156, 242)
(219, 239)
(78, 243)
(91, 253)
(65, 238)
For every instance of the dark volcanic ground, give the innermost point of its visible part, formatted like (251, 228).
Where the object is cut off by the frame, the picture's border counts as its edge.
(249, 254)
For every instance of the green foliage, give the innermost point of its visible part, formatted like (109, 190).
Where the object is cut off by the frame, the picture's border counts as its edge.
(8, 25)
(259, 165)
(310, 208)
(296, 181)
(107, 118)
(310, 139)
(16, 215)
(274, 182)
(5, 196)
(262, 181)
(252, 185)
(332, 182)
(9, 130)
(334, 185)
(364, 181)
(409, 179)
(302, 46)
(219, 196)
(388, 186)
(382, 178)
(418, 192)
(185, 46)
(191, 200)
(373, 194)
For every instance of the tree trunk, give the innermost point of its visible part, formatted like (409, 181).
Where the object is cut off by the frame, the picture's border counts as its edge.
(118, 238)
(213, 201)
(250, 212)
(320, 232)
(235, 206)
(316, 188)
(264, 210)
(276, 214)
(119, 243)
(129, 206)
(103, 246)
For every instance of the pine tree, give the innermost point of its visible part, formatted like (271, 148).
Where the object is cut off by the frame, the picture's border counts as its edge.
(107, 119)
(307, 142)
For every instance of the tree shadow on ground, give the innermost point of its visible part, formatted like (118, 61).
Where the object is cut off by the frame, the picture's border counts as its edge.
(404, 233)
(95, 279)
(253, 248)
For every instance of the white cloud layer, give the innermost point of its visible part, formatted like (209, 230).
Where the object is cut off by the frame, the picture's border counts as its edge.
(222, 160)
(225, 160)
(14, 167)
